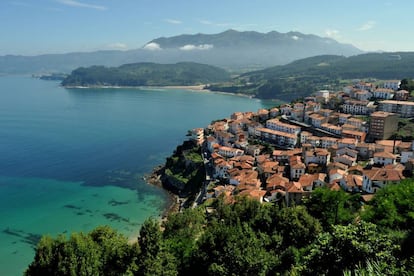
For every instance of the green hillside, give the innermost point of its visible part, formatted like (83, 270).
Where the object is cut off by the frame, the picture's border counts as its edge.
(146, 74)
(302, 77)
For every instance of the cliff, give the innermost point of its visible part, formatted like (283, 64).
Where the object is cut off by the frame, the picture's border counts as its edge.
(184, 172)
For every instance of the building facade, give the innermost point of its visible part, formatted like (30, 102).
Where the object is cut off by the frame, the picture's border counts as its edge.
(383, 125)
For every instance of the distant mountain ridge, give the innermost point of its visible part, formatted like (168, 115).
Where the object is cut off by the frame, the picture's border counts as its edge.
(232, 38)
(232, 50)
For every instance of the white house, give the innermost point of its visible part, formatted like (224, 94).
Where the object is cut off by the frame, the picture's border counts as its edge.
(221, 168)
(332, 128)
(303, 136)
(345, 159)
(352, 183)
(297, 168)
(317, 120)
(377, 178)
(336, 174)
(384, 158)
(318, 156)
(392, 84)
(328, 142)
(383, 93)
(230, 152)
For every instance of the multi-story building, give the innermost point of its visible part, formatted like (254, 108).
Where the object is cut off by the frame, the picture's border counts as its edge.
(277, 137)
(362, 95)
(317, 120)
(357, 107)
(304, 136)
(401, 95)
(275, 124)
(383, 93)
(317, 156)
(328, 142)
(297, 168)
(403, 108)
(332, 128)
(392, 84)
(343, 118)
(383, 125)
(197, 135)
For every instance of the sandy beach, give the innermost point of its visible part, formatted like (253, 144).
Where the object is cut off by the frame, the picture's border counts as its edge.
(187, 87)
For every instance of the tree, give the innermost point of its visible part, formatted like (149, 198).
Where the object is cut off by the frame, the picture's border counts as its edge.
(233, 250)
(77, 256)
(154, 258)
(102, 251)
(393, 206)
(332, 207)
(180, 233)
(296, 226)
(117, 256)
(348, 246)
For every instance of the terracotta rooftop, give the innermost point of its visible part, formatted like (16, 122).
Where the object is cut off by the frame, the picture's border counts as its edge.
(384, 154)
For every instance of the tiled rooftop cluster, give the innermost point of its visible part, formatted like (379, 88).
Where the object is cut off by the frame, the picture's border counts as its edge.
(318, 144)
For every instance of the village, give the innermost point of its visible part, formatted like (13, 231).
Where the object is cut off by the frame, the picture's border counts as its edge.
(340, 140)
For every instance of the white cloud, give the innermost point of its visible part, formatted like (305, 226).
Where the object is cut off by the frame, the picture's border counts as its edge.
(173, 21)
(295, 37)
(217, 24)
(190, 47)
(331, 33)
(118, 46)
(152, 46)
(206, 22)
(73, 3)
(367, 26)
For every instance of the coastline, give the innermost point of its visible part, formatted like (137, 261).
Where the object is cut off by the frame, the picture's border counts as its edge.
(198, 88)
(154, 178)
(172, 204)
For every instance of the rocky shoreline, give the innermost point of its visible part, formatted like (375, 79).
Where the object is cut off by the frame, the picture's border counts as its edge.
(174, 201)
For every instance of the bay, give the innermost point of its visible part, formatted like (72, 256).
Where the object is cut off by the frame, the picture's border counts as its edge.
(73, 159)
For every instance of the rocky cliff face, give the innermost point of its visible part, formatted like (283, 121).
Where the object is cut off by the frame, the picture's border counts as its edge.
(184, 171)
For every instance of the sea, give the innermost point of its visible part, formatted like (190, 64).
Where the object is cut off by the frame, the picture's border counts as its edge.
(73, 159)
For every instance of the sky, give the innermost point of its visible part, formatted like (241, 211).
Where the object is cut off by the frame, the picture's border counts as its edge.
(33, 27)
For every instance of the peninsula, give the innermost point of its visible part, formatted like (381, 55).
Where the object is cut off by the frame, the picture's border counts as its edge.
(146, 74)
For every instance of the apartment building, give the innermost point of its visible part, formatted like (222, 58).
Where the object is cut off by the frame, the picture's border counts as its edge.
(383, 125)
(403, 108)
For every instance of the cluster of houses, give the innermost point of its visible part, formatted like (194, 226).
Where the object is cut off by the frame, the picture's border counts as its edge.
(284, 153)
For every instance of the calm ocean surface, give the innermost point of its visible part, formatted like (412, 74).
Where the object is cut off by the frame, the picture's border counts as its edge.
(72, 159)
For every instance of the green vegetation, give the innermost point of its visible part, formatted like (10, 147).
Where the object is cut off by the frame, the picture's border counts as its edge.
(249, 238)
(345, 207)
(405, 129)
(407, 84)
(302, 77)
(85, 254)
(147, 74)
(184, 170)
(393, 206)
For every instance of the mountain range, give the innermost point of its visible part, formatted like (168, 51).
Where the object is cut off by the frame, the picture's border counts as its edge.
(232, 50)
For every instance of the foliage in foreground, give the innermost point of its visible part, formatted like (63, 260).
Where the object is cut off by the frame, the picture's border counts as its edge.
(249, 238)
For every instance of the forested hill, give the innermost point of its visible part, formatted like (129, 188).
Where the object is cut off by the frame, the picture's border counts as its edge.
(302, 77)
(147, 74)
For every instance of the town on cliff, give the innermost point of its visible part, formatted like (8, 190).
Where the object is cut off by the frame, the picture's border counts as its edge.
(340, 140)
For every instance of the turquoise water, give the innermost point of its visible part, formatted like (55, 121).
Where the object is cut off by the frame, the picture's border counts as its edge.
(72, 159)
